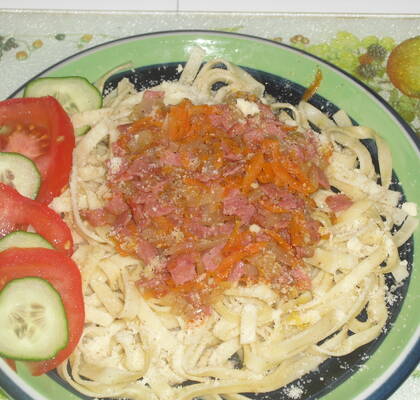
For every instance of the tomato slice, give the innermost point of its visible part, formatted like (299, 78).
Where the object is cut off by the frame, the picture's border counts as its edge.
(61, 272)
(40, 129)
(18, 212)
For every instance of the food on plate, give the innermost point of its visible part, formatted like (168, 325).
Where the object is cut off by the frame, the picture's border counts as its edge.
(20, 172)
(41, 298)
(41, 304)
(40, 130)
(23, 239)
(227, 242)
(75, 94)
(39, 321)
(42, 318)
(18, 212)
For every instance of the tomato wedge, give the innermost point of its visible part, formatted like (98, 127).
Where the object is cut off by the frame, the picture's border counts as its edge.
(62, 273)
(40, 129)
(17, 212)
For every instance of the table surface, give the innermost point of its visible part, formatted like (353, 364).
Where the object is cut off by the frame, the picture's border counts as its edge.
(32, 40)
(330, 6)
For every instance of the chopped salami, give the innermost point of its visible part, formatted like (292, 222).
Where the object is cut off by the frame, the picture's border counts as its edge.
(237, 272)
(338, 202)
(98, 217)
(301, 278)
(236, 203)
(211, 258)
(145, 250)
(171, 158)
(182, 268)
(283, 197)
(116, 205)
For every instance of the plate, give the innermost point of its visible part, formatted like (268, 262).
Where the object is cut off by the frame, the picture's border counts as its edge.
(372, 372)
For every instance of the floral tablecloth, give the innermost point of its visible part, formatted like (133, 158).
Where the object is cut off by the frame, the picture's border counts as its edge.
(360, 44)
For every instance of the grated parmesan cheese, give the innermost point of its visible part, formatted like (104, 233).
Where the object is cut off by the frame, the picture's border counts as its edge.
(294, 392)
(254, 228)
(115, 164)
(247, 107)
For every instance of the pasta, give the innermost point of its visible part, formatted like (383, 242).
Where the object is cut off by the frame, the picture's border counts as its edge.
(138, 345)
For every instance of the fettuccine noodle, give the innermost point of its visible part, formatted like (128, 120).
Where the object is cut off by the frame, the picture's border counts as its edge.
(254, 340)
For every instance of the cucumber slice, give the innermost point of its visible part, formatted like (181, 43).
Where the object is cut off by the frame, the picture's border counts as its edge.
(32, 319)
(24, 239)
(74, 93)
(20, 172)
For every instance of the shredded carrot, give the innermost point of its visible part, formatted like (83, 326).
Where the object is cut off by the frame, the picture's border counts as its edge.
(179, 121)
(270, 145)
(306, 185)
(186, 287)
(163, 224)
(144, 123)
(120, 250)
(279, 239)
(267, 174)
(195, 182)
(283, 178)
(297, 229)
(231, 144)
(203, 109)
(283, 244)
(231, 182)
(288, 173)
(289, 128)
(235, 239)
(228, 262)
(313, 87)
(254, 168)
(218, 159)
(310, 202)
(126, 247)
(185, 160)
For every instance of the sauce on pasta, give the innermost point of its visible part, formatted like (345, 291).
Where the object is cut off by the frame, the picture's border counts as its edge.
(206, 195)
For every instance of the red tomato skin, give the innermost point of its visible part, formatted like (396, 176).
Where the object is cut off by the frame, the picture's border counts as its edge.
(17, 210)
(46, 112)
(62, 272)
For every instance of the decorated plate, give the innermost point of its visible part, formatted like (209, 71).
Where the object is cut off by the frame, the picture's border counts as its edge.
(374, 370)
